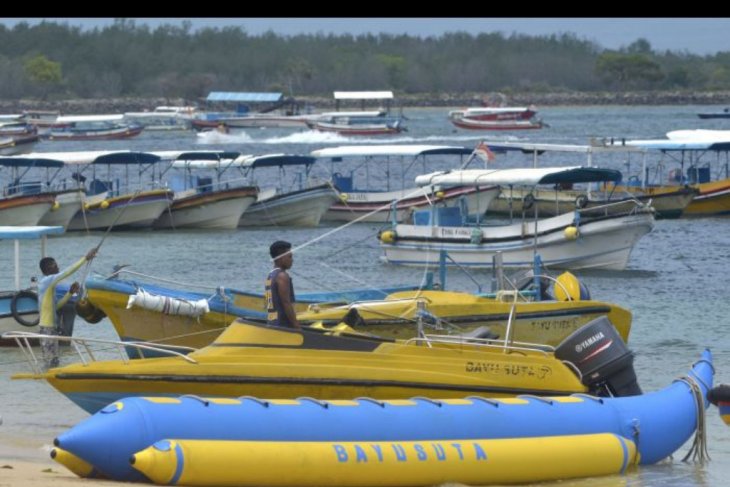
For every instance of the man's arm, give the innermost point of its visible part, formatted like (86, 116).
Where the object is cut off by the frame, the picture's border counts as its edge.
(73, 267)
(283, 286)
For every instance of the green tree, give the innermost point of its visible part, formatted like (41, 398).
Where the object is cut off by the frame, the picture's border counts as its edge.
(43, 72)
(628, 70)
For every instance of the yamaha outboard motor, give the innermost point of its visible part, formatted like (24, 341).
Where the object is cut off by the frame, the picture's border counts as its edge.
(602, 358)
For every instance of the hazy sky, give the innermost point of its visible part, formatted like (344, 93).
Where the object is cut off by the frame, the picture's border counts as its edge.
(696, 35)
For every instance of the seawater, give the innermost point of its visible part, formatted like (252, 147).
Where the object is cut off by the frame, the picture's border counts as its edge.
(675, 284)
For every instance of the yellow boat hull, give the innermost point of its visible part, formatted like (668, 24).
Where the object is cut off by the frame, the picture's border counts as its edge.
(544, 322)
(277, 363)
(712, 199)
(379, 463)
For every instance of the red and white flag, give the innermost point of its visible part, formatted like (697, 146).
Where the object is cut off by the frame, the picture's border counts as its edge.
(483, 152)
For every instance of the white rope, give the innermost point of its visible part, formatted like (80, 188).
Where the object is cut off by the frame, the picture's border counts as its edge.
(218, 289)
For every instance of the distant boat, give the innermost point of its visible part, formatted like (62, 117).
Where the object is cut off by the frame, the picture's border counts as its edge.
(474, 124)
(725, 113)
(494, 113)
(93, 127)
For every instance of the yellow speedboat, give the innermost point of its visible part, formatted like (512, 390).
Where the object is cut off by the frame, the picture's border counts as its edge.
(283, 363)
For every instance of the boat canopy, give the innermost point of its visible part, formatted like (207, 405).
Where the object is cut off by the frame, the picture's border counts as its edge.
(274, 160)
(390, 150)
(681, 144)
(245, 97)
(94, 157)
(28, 233)
(519, 177)
(499, 146)
(363, 95)
(20, 161)
(89, 118)
(202, 155)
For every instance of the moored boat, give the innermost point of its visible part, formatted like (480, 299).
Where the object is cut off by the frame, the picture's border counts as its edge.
(569, 241)
(476, 124)
(388, 192)
(93, 127)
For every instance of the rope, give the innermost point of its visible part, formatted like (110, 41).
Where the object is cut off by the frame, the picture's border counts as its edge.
(195, 285)
(698, 452)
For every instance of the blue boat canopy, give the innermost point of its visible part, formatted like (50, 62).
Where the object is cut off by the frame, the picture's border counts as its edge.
(28, 233)
(127, 158)
(275, 160)
(235, 96)
(30, 162)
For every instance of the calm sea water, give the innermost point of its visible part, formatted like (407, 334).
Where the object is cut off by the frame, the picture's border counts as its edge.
(675, 284)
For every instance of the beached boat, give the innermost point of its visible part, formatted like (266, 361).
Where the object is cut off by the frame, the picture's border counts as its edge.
(292, 205)
(564, 198)
(93, 127)
(197, 326)
(19, 307)
(686, 148)
(251, 359)
(573, 240)
(366, 442)
(388, 181)
(200, 202)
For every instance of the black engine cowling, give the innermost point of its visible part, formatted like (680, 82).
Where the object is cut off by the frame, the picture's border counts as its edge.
(603, 359)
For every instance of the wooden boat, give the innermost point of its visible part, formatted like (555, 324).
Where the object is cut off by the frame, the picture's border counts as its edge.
(38, 178)
(365, 442)
(388, 192)
(108, 203)
(402, 314)
(293, 205)
(196, 329)
(249, 359)
(19, 307)
(345, 126)
(199, 202)
(687, 149)
(494, 113)
(566, 198)
(93, 127)
(570, 241)
(475, 124)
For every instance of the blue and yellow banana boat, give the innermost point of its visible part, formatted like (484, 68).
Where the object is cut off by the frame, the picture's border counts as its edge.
(462, 440)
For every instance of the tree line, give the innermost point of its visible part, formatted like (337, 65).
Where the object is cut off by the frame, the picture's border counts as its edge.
(54, 60)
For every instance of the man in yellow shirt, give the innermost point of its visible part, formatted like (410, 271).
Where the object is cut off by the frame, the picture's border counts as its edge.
(48, 306)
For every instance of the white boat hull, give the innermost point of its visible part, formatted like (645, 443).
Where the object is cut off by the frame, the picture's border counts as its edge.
(70, 203)
(138, 213)
(298, 209)
(359, 204)
(604, 243)
(222, 214)
(24, 215)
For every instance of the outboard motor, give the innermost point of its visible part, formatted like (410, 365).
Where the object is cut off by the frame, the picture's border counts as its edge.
(602, 358)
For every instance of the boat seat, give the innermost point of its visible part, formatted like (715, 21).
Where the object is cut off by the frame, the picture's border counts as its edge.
(482, 332)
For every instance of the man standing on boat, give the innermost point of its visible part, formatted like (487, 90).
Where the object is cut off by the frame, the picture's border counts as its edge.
(49, 305)
(279, 290)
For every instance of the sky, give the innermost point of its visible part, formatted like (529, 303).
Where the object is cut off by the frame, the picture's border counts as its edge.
(695, 35)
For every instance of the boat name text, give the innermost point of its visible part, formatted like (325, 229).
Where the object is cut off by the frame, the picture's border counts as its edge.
(440, 451)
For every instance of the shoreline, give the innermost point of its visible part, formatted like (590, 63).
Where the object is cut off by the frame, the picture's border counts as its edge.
(423, 100)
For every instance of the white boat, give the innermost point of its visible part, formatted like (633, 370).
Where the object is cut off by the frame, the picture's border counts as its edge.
(108, 203)
(38, 178)
(19, 308)
(200, 202)
(572, 240)
(301, 206)
(361, 199)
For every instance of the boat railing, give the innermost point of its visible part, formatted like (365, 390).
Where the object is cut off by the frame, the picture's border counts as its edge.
(512, 346)
(606, 208)
(83, 348)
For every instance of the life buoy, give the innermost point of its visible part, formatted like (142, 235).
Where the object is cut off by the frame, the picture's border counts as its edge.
(581, 201)
(14, 308)
(528, 201)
